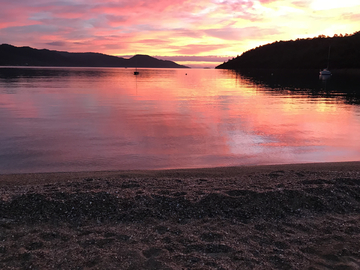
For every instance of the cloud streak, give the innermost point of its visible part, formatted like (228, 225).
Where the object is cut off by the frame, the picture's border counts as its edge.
(162, 27)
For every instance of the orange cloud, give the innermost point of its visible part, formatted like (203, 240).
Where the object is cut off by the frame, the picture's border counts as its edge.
(203, 27)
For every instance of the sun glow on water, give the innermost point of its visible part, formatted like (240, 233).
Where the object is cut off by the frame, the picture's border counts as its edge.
(101, 119)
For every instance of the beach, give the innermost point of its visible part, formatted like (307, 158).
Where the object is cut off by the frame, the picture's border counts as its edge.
(299, 216)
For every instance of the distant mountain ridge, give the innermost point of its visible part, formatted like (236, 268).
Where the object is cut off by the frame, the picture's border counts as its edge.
(26, 56)
(310, 53)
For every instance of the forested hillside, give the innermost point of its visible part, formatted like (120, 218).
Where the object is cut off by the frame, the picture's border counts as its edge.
(302, 54)
(26, 56)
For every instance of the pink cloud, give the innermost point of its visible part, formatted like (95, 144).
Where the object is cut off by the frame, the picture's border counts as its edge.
(152, 41)
(241, 33)
(352, 16)
(302, 3)
(194, 58)
(57, 43)
(267, 1)
(196, 48)
(173, 27)
(78, 24)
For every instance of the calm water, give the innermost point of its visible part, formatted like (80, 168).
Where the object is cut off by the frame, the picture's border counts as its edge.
(80, 119)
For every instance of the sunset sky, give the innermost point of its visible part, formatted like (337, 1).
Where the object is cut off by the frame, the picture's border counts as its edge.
(195, 33)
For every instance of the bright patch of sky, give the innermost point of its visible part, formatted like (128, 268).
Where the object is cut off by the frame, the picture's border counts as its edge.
(332, 4)
(171, 28)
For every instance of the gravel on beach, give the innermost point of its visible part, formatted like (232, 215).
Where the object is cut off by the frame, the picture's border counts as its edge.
(304, 216)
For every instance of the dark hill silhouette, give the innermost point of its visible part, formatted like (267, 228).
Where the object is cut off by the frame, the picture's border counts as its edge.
(302, 54)
(140, 60)
(26, 56)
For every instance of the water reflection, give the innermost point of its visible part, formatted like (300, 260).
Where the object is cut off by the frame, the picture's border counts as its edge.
(62, 119)
(342, 84)
(14, 73)
(324, 77)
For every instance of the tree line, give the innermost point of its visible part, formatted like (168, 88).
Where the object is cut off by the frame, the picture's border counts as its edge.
(309, 53)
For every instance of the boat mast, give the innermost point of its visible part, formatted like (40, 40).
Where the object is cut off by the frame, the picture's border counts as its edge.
(328, 57)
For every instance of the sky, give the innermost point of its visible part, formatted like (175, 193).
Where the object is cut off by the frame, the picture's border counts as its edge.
(201, 33)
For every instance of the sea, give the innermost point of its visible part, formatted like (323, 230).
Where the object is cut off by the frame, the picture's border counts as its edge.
(55, 119)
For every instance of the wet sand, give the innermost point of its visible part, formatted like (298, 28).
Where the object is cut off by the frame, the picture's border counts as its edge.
(303, 216)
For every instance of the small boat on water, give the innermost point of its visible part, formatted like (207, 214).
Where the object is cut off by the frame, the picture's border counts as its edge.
(325, 72)
(136, 72)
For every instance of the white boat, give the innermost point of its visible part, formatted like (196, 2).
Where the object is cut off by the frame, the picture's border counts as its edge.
(325, 72)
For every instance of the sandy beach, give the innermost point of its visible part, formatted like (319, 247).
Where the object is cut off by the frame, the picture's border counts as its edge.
(304, 216)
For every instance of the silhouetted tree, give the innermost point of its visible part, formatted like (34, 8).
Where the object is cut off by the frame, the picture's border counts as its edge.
(302, 53)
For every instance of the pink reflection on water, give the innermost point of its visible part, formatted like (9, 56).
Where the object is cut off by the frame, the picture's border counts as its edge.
(166, 119)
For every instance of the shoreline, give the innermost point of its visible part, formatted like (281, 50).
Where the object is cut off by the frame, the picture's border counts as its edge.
(209, 171)
(292, 216)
